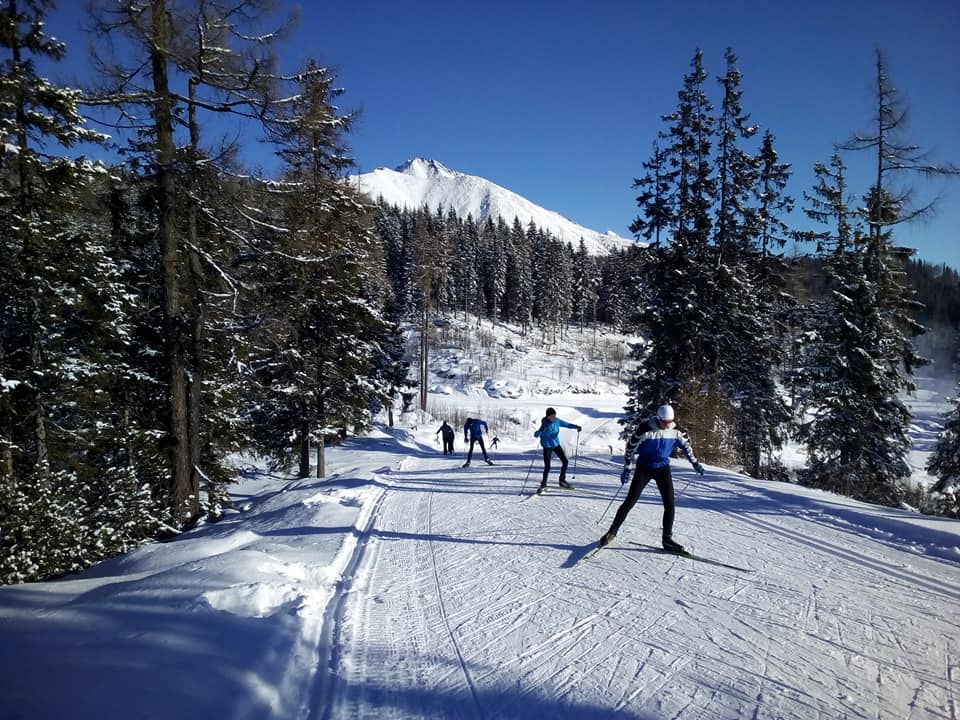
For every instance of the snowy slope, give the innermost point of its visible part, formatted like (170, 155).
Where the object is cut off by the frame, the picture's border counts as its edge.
(403, 586)
(422, 182)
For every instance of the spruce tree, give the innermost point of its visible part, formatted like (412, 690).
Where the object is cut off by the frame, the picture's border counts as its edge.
(944, 463)
(321, 285)
(852, 372)
(858, 396)
(674, 312)
(69, 495)
(655, 199)
(585, 282)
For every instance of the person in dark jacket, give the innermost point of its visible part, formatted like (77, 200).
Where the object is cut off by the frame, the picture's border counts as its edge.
(448, 435)
(653, 442)
(473, 433)
(549, 434)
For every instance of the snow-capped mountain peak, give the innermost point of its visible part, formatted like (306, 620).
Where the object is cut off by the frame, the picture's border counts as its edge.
(423, 167)
(423, 181)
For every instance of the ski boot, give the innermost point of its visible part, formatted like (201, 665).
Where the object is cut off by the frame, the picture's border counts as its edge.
(607, 538)
(670, 545)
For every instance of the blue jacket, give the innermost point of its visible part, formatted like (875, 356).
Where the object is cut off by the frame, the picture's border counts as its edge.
(472, 428)
(653, 445)
(549, 432)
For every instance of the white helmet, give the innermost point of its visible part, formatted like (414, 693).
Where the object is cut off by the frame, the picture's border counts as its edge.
(665, 413)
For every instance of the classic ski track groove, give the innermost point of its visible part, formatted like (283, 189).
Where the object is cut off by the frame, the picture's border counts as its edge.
(947, 590)
(443, 609)
(327, 692)
(554, 636)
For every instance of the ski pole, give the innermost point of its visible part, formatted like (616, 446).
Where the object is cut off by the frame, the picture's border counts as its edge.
(524, 486)
(600, 519)
(576, 454)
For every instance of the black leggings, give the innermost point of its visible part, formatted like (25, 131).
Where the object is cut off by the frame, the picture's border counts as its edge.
(641, 477)
(470, 451)
(547, 452)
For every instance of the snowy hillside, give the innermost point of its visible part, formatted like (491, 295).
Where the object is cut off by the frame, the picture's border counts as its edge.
(404, 586)
(421, 182)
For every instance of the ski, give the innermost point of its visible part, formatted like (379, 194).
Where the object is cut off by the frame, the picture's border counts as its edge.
(591, 553)
(691, 556)
(574, 488)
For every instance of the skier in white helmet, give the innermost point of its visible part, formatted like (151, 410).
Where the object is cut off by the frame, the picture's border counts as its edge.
(653, 442)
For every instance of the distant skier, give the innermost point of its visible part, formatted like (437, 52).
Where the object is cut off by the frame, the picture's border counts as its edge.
(493, 443)
(549, 434)
(653, 442)
(473, 433)
(448, 435)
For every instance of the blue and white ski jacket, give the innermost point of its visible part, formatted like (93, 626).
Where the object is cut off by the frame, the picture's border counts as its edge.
(653, 445)
(472, 427)
(549, 432)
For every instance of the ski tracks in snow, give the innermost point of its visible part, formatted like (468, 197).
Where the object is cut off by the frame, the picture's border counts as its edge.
(463, 603)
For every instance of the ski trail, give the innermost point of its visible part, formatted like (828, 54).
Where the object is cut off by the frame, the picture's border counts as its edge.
(445, 615)
(465, 599)
(329, 647)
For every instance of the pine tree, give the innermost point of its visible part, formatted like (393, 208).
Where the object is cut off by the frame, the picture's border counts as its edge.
(851, 374)
(674, 312)
(944, 463)
(67, 496)
(181, 61)
(866, 354)
(655, 199)
(585, 282)
(518, 293)
(894, 156)
(321, 285)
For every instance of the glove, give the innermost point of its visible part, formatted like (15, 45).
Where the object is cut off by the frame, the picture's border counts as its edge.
(579, 428)
(625, 476)
(699, 468)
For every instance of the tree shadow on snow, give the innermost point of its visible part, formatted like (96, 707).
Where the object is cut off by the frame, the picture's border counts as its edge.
(525, 700)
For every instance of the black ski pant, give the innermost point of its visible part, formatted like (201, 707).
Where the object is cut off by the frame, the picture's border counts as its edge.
(641, 476)
(470, 451)
(448, 446)
(547, 452)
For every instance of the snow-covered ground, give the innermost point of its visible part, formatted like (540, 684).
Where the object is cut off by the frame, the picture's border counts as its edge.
(403, 586)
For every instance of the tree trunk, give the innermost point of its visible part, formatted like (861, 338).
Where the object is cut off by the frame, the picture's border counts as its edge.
(183, 495)
(424, 328)
(304, 449)
(321, 462)
(197, 305)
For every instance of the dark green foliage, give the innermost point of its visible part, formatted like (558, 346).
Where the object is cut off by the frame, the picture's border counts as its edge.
(712, 307)
(317, 359)
(944, 463)
(858, 357)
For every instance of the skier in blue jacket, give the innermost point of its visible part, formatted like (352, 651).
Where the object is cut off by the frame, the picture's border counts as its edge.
(549, 434)
(653, 442)
(473, 433)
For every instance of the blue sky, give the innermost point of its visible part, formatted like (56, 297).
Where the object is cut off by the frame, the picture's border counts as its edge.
(561, 101)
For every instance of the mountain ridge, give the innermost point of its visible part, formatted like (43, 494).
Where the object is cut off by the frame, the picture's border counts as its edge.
(424, 181)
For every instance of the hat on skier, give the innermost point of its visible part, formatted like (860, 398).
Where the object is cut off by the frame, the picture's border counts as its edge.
(665, 413)
(550, 411)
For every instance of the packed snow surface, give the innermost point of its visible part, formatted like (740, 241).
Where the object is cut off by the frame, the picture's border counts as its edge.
(404, 586)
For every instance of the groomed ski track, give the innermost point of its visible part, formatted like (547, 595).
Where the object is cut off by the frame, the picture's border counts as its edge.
(463, 601)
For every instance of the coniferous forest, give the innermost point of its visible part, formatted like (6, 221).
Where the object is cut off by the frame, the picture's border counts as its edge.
(164, 306)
